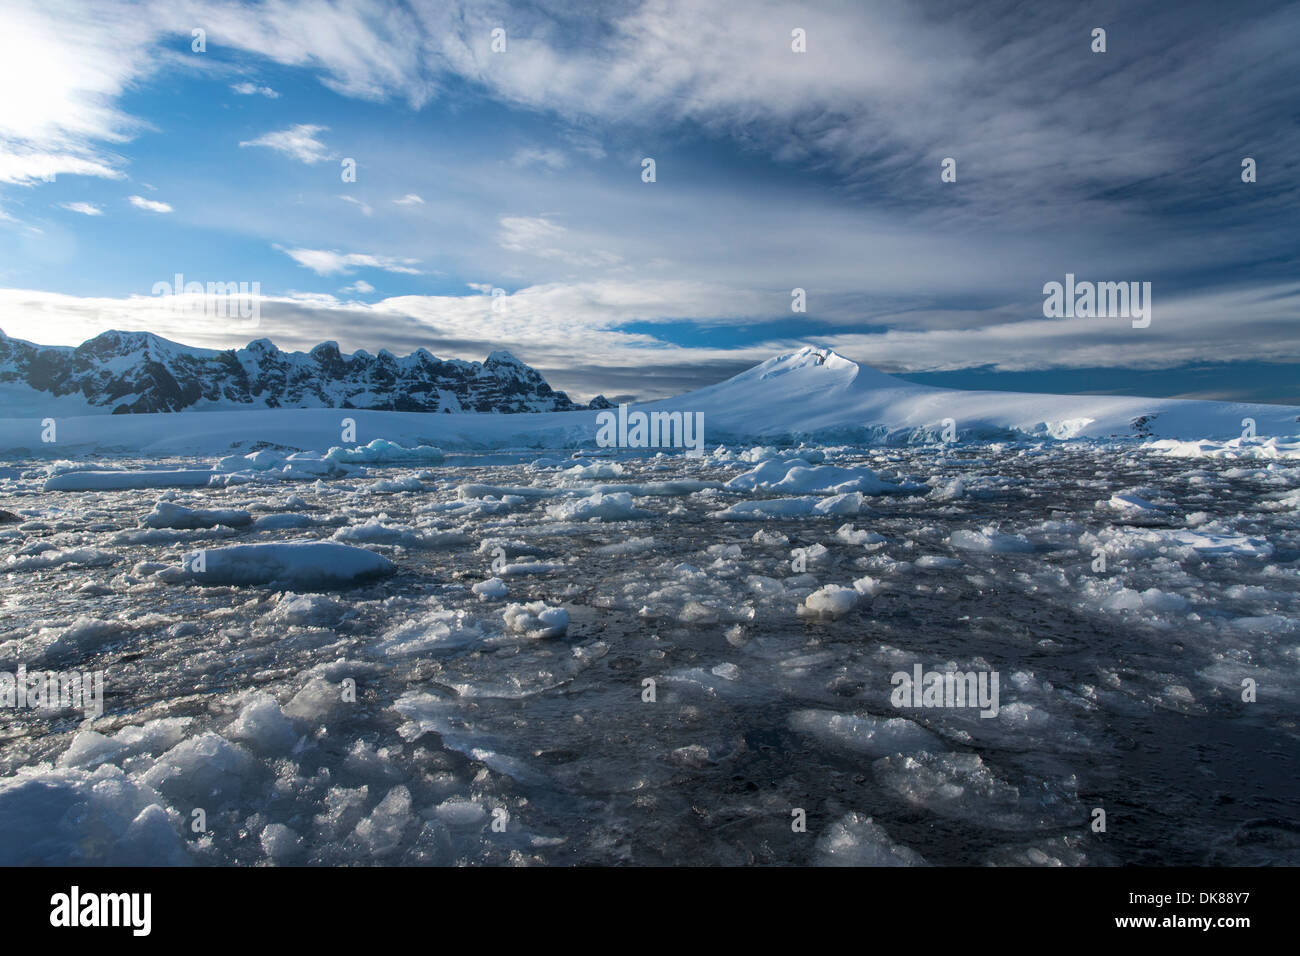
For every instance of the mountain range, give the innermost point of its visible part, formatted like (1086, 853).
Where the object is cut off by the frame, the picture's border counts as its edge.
(811, 394)
(139, 372)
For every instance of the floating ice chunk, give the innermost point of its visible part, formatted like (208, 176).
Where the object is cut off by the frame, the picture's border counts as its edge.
(854, 840)
(262, 726)
(868, 586)
(167, 514)
(279, 522)
(799, 476)
(1258, 448)
(90, 748)
(831, 601)
(262, 460)
(530, 567)
(850, 535)
(280, 843)
(630, 546)
(204, 771)
(1130, 502)
(381, 452)
(460, 813)
(84, 636)
(493, 589)
(438, 629)
(374, 531)
(991, 541)
(600, 469)
(71, 557)
(128, 480)
(813, 554)
(864, 734)
(598, 507)
(758, 510)
(469, 490)
(963, 786)
(307, 610)
(770, 539)
(726, 671)
(694, 612)
(73, 817)
(1178, 543)
(937, 561)
(317, 700)
(536, 619)
(386, 486)
(305, 565)
(1152, 599)
(380, 834)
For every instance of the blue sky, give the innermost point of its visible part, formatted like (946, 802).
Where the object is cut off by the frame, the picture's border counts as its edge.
(127, 157)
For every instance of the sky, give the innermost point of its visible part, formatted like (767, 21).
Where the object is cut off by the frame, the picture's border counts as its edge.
(500, 198)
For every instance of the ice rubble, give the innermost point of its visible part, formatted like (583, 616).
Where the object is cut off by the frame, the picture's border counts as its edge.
(856, 840)
(865, 734)
(598, 507)
(797, 475)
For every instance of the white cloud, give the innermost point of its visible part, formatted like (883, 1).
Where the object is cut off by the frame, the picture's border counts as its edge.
(85, 208)
(364, 207)
(62, 68)
(252, 89)
(297, 142)
(410, 199)
(361, 286)
(545, 158)
(328, 262)
(540, 237)
(139, 202)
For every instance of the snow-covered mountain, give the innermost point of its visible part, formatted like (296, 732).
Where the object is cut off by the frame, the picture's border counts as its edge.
(809, 394)
(818, 392)
(139, 372)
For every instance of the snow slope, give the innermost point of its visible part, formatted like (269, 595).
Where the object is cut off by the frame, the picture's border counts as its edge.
(809, 393)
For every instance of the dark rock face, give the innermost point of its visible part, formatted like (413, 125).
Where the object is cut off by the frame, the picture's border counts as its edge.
(133, 372)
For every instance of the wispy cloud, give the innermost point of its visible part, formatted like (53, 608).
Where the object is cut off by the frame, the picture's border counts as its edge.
(364, 207)
(85, 208)
(540, 237)
(252, 89)
(410, 199)
(149, 205)
(298, 142)
(545, 158)
(330, 262)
